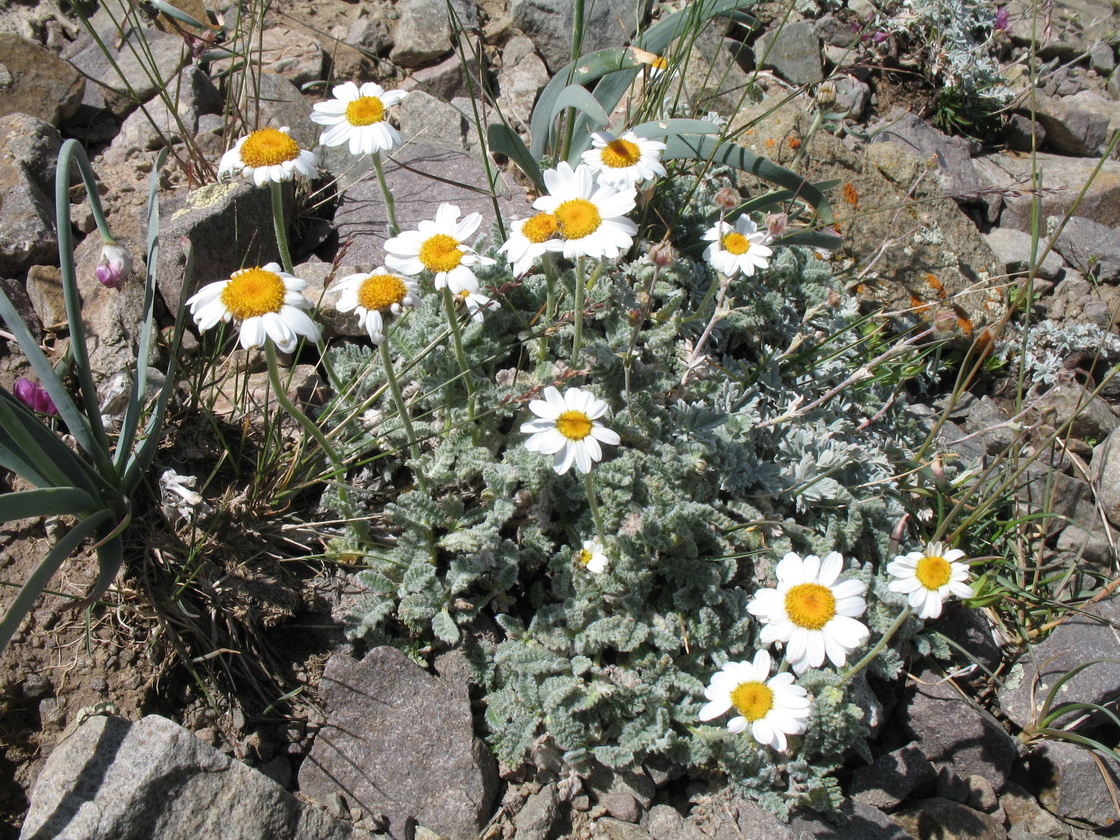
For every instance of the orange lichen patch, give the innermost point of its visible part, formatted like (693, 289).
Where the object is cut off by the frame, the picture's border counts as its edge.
(984, 342)
(964, 323)
(750, 131)
(917, 304)
(771, 142)
(860, 288)
(936, 285)
(794, 142)
(850, 195)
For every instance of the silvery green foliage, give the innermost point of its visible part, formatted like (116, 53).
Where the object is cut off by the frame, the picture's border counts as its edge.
(958, 37)
(718, 474)
(1044, 347)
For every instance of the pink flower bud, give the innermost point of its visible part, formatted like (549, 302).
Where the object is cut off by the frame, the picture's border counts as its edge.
(34, 396)
(114, 266)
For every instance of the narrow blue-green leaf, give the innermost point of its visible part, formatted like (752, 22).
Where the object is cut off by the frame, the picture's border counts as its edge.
(45, 501)
(587, 69)
(667, 128)
(43, 573)
(18, 427)
(709, 149)
(135, 404)
(504, 140)
(178, 14)
(1066, 677)
(110, 556)
(610, 90)
(813, 239)
(574, 96)
(69, 413)
(1070, 708)
(146, 449)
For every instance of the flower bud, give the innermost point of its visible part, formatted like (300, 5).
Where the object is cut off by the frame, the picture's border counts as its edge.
(34, 396)
(776, 224)
(663, 254)
(114, 266)
(727, 199)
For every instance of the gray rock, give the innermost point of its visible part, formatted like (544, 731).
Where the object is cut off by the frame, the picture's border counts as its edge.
(1062, 180)
(943, 819)
(622, 806)
(521, 79)
(290, 53)
(971, 631)
(756, 823)
(1091, 248)
(1082, 638)
(981, 796)
(281, 104)
(1072, 786)
(117, 780)
(987, 421)
(1088, 417)
(430, 121)
(1087, 544)
(361, 212)
(1104, 107)
(400, 742)
(793, 51)
(1060, 497)
(618, 830)
(949, 731)
(424, 28)
(1071, 30)
(44, 293)
(191, 95)
(549, 24)
(230, 225)
(448, 79)
(893, 778)
(604, 781)
(950, 785)
(38, 82)
(1021, 133)
(17, 294)
(666, 823)
(1102, 59)
(1070, 130)
(1106, 476)
(713, 80)
(369, 31)
(537, 816)
(956, 175)
(27, 225)
(1013, 247)
(1024, 812)
(854, 821)
(147, 61)
(278, 769)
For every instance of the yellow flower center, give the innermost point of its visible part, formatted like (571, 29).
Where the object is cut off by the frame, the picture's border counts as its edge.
(659, 63)
(268, 147)
(440, 253)
(753, 700)
(539, 228)
(380, 291)
(365, 110)
(810, 605)
(736, 243)
(933, 572)
(584, 557)
(618, 154)
(577, 218)
(465, 295)
(252, 292)
(574, 425)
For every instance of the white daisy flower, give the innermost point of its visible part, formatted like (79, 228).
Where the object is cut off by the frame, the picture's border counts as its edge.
(529, 239)
(566, 428)
(812, 613)
(476, 302)
(624, 162)
(437, 246)
(269, 154)
(593, 556)
(928, 578)
(373, 296)
(739, 248)
(268, 302)
(357, 116)
(772, 708)
(591, 218)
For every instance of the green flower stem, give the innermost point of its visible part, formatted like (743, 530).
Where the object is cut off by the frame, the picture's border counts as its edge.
(589, 488)
(301, 418)
(628, 360)
(278, 226)
(390, 207)
(582, 282)
(457, 342)
(875, 651)
(402, 412)
(548, 265)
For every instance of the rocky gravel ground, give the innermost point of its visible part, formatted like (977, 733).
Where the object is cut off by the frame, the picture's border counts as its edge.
(103, 738)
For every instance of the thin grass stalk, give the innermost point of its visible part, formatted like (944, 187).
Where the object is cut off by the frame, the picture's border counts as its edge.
(457, 343)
